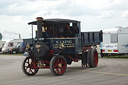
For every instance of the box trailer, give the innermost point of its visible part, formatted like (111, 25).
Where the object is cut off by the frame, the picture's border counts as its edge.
(115, 40)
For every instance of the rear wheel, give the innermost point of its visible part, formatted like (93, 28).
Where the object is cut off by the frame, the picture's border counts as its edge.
(27, 66)
(92, 58)
(58, 65)
(88, 58)
(84, 59)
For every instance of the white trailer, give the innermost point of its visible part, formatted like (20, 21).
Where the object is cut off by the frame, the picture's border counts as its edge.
(2, 43)
(9, 44)
(115, 40)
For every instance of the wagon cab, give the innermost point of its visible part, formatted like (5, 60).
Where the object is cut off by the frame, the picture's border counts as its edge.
(53, 32)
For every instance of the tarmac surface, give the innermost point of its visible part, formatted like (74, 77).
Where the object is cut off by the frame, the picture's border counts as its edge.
(109, 72)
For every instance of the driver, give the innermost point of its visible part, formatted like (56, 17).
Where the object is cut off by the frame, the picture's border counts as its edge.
(68, 32)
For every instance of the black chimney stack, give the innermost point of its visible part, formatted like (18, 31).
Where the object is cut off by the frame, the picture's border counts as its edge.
(39, 27)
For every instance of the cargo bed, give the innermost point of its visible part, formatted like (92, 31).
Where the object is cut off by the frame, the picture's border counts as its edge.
(91, 38)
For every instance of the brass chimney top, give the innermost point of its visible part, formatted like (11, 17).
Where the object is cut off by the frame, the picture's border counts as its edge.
(39, 18)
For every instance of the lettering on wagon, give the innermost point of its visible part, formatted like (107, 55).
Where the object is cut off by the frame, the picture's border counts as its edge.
(63, 44)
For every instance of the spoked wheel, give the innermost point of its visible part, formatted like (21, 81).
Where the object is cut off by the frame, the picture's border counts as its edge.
(58, 65)
(27, 66)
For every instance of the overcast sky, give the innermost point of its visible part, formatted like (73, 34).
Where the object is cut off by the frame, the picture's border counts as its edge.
(93, 14)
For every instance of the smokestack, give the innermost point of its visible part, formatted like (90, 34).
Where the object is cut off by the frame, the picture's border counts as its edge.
(39, 27)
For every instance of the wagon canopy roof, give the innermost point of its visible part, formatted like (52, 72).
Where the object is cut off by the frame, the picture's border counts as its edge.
(54, 21)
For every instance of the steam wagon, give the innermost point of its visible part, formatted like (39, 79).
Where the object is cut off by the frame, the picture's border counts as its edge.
(58, 43)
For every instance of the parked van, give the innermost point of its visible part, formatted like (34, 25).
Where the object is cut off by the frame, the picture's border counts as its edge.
(20, 48)
(115, 40)
(9, 44)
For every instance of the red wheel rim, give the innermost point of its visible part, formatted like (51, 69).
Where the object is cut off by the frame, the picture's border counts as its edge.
(59, 66)
(29, 66)
(96, 58)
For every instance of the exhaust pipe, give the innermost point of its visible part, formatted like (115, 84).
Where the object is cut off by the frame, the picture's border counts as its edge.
(39, 27)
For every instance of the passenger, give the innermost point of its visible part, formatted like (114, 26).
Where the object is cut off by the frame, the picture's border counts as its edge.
(51, 31)
(68, 32)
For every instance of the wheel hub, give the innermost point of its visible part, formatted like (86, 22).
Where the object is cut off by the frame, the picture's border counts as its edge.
(40, 64)
(59, 65)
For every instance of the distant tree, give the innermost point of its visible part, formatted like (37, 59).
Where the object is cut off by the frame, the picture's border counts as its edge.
(0, 36)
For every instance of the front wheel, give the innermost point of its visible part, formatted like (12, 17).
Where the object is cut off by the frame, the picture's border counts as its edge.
(58, 65)
(27, 66)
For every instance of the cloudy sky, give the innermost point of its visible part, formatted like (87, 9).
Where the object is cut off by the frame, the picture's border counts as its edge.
(93, 14)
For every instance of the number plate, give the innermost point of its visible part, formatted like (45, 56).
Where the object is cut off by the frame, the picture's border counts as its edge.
(109, 50)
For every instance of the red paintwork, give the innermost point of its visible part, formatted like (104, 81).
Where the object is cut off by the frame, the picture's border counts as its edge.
(35, 64)
(96, 58)
(51, 53)
(59, 65)
(74, 59)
